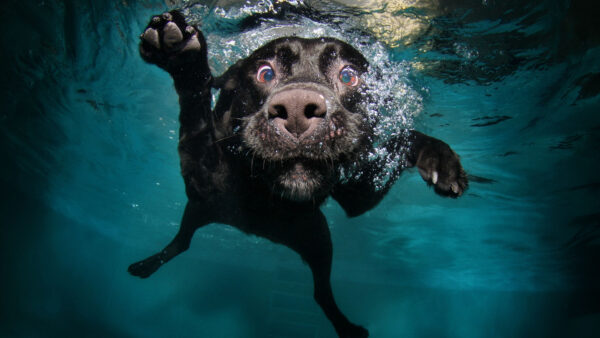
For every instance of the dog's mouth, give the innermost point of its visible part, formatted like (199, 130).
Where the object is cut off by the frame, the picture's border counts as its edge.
(338, 135)
(301, 180)
(303, 169)
(300, 172)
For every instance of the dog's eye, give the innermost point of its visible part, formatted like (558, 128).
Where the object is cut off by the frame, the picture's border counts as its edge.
(348, 76)
(265, 74)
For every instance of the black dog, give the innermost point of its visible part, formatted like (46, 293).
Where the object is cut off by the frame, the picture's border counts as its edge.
(289, 130)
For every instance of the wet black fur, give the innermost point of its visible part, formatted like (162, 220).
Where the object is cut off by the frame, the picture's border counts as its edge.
(239, 170)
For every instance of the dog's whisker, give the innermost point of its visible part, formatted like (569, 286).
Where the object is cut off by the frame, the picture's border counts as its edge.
(225, 138)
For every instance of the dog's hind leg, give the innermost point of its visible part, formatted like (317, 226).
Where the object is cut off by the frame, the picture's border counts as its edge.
(313, 242)
(192, 220)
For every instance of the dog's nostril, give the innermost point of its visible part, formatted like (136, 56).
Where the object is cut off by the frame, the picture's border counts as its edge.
(313, 110)
(278, 110)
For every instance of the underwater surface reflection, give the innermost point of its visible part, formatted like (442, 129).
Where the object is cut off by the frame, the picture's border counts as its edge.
(91, 176)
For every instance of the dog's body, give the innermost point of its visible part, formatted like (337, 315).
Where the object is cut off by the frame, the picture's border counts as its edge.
(289, 120)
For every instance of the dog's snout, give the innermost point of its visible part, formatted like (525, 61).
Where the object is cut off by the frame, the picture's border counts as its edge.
(298, 111)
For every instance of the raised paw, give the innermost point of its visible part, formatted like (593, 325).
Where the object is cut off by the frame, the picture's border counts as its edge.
(171, 43)
(440, 166)
(147, 267)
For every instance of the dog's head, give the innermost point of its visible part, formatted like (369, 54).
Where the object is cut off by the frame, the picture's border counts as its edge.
(298, 105)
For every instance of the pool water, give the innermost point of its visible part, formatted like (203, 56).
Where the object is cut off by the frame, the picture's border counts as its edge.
(91, 181)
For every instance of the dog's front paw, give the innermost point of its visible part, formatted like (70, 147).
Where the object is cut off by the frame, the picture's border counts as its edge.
(440, 166)
(170, 42)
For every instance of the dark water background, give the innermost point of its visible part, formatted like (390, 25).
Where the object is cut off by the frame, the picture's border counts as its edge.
(91, 183)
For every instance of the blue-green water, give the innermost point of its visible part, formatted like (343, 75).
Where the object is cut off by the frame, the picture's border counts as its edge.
(91, 182)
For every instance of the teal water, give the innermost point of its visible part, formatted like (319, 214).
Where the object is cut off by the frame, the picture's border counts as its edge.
(91, 182)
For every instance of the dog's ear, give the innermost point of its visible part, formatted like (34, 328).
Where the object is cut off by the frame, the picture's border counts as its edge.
(230, 79)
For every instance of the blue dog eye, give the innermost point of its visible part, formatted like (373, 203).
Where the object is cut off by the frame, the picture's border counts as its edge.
(348, 76)
(265, 74)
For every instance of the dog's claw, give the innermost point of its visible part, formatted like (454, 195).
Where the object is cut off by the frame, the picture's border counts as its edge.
(454, 186)
(440, 166)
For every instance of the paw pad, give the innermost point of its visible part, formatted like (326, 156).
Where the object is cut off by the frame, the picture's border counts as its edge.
(166, 37)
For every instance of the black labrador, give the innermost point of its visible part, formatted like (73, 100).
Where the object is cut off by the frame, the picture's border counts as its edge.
(289, 129)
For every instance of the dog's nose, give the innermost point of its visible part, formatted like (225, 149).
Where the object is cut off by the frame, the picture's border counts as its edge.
(299, 111)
